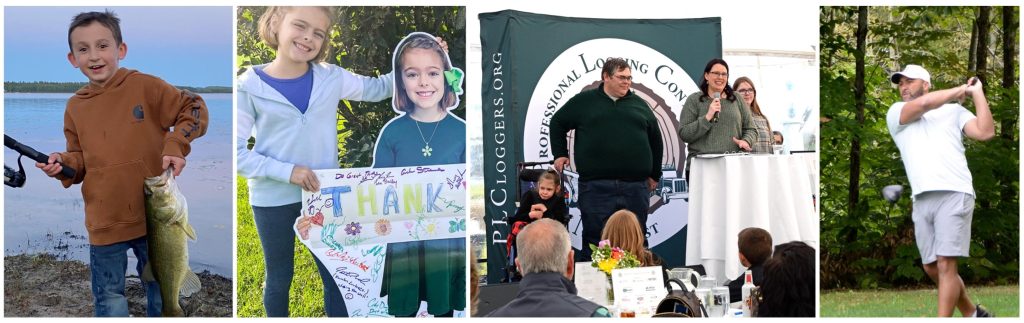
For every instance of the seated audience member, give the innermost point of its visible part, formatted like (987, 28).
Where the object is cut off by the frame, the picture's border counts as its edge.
(623, 230)
(546, 262)
(755, 246)
(546, 200)
(788, 288)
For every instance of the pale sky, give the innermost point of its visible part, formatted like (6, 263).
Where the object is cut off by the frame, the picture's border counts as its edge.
(189, 46)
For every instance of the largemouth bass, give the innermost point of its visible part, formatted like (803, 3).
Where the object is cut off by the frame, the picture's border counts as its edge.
(166, 229)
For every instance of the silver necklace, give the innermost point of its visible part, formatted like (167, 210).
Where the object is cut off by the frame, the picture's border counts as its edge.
(426, 142)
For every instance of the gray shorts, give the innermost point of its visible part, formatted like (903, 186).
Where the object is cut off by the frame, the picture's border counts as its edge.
(942, 224)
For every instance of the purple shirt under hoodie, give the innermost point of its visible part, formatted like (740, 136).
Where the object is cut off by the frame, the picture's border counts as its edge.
(296, 90)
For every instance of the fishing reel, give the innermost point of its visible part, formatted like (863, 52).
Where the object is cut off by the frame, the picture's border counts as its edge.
(14, 178)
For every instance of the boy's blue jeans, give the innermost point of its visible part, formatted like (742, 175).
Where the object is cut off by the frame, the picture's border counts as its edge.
(108, 264)
(274, 225)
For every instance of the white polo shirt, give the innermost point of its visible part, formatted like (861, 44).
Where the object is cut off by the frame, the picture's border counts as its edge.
(932, 148)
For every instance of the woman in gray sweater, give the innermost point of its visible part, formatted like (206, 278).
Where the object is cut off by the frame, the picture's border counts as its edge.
(714, 120)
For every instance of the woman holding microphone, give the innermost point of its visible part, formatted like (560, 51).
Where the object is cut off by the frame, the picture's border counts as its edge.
(715, 120)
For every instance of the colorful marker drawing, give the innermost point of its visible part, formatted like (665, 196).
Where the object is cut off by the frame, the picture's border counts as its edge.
(457, 226)
(359, 211)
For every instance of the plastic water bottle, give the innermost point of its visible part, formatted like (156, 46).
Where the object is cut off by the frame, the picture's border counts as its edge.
(748, 284)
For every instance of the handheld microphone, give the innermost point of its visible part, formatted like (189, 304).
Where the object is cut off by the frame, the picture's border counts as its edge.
(714, 119)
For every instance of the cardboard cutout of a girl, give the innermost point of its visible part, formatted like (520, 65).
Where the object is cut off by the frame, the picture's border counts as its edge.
(427, 88)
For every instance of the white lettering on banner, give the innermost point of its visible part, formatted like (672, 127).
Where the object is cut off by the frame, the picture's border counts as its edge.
(662, 83)
(498, 196)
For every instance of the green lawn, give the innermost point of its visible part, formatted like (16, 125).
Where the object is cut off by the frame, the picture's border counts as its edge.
(1001, 300)
(306, 296)
(476, 191)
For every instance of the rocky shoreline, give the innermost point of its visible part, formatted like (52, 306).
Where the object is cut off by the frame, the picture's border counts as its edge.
(43, 286)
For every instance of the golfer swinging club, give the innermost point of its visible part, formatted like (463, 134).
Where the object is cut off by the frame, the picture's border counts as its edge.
(929, 130)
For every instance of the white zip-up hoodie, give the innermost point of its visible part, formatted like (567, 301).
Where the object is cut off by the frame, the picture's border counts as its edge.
(286, 137)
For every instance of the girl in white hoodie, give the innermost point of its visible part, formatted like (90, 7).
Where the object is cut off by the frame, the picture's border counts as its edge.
(289, 106)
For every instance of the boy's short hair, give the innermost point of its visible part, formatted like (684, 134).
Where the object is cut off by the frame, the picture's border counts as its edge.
(107, 19)
(755, 244)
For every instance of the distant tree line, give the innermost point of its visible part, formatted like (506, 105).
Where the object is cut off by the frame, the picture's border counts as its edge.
(71, 87)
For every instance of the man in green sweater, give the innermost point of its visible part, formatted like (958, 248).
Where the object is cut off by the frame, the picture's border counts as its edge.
(616, 151)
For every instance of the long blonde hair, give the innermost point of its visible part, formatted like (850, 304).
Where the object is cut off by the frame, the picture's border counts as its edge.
(623, 230)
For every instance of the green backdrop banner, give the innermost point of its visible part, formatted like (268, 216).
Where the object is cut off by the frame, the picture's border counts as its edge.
(532, 65)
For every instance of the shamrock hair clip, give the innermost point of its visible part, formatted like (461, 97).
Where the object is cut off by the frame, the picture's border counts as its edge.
(454, 78)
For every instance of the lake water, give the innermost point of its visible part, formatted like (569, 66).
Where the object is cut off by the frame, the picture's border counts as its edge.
(42, 216)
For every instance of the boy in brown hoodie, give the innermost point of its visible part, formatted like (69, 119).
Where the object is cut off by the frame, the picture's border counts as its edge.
(118, 131)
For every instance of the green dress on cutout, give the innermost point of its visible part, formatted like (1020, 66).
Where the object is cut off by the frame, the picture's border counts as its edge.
(433, 270)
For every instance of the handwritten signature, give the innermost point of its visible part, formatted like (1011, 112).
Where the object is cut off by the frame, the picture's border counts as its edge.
(313, 198)
(378, 178)
(420, 170)
(378, 252)
(346, 258)
(346, 175)
(458, 180)
(327, 236)
(354, 240)
(378, 308)
(342, 272)
(350, 282)
(451, 205)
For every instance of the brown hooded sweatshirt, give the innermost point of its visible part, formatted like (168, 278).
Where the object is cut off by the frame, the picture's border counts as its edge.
(117, 136)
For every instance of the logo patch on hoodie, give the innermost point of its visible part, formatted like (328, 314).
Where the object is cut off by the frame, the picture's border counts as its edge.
(137, 112)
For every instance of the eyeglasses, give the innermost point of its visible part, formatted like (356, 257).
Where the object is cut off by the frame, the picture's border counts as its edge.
(624, 78)
(719, 74)
(746, 91)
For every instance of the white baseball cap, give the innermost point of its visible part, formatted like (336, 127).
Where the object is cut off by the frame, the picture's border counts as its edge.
(912, 72)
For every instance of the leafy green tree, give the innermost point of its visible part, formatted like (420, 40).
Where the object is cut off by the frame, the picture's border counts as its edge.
(362, 41)
(866, 241)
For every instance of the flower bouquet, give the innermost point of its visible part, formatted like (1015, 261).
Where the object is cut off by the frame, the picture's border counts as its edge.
(606, 258)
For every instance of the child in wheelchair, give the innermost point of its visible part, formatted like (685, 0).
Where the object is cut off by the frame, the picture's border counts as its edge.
(546, 200)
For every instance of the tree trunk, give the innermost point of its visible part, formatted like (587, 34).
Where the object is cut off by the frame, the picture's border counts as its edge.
(1008, 126)
(983, 24)
(1009, 48)
(859, 98)
(982, 51)
(972, 52)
